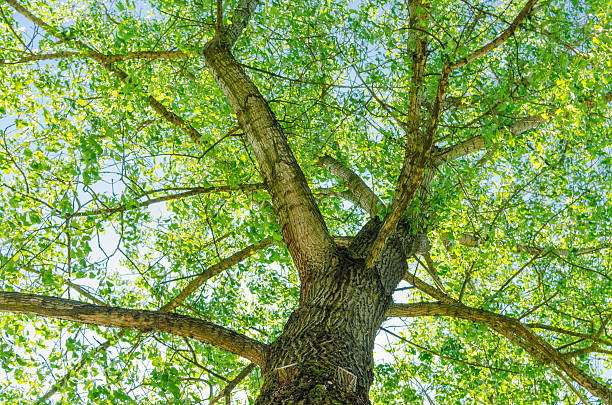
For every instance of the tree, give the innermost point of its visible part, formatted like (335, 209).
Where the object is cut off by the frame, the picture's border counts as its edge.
(200, 197)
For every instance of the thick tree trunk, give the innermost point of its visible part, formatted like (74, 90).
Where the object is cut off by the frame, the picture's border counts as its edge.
(324, 355)
(325, 351)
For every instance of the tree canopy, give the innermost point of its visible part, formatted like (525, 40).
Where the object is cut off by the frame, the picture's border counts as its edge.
(164, 214)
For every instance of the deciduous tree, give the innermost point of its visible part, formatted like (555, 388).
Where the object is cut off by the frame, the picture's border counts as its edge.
(306, 202)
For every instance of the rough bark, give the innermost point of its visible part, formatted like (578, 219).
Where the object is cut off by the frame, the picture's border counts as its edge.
(302, 225)
(459, 150)
(151, 321)
(324, 354)
(417, 146)
(361, 195)
(512, 329)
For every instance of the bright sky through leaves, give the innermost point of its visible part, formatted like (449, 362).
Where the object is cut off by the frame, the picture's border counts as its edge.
(127, 180)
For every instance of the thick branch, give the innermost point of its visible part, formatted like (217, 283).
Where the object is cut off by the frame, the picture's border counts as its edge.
(150, 321)
(459, 150)
(301, 222)
(416, 160)
(514, 331)
(418, 145)
(517, 127)
(526, 123)
(361, 194)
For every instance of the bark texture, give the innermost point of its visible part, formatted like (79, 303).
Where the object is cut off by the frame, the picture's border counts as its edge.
(302, 225)
(324, 354)
(149, 321)
(512, 329)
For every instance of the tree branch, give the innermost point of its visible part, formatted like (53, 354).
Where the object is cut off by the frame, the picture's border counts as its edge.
(107, 63)
(511, 328)
(190, 192)
(570, 333)
(240, 20)
(108, 58)
(150, 321)
(470, 240)
(84, 360)
(232, 384)
(428, 289)
(76, 287)
(210, 272)
(418, 145)
(361, 195)
(301, 222)
(517, 127)
(459, 150)
(214, 270)
(483, 50)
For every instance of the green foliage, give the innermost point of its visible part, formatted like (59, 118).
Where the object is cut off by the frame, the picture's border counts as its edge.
(82, 152)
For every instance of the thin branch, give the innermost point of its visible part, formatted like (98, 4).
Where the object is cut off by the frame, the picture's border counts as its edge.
(430, 267)
(541, 304)
(84, 361)
(214, 270)
(223, 265)
(569, 333)
(72, 285)
(442, 356)
(105, 62)
(15, 34)
(525, 11)
(429, 289)
(470, 240)
(232, 384)
(219, 22)
(108, 58)
(188, 193)
(150, 321)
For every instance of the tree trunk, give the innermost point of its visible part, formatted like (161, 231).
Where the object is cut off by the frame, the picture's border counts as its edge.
(324, 355)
